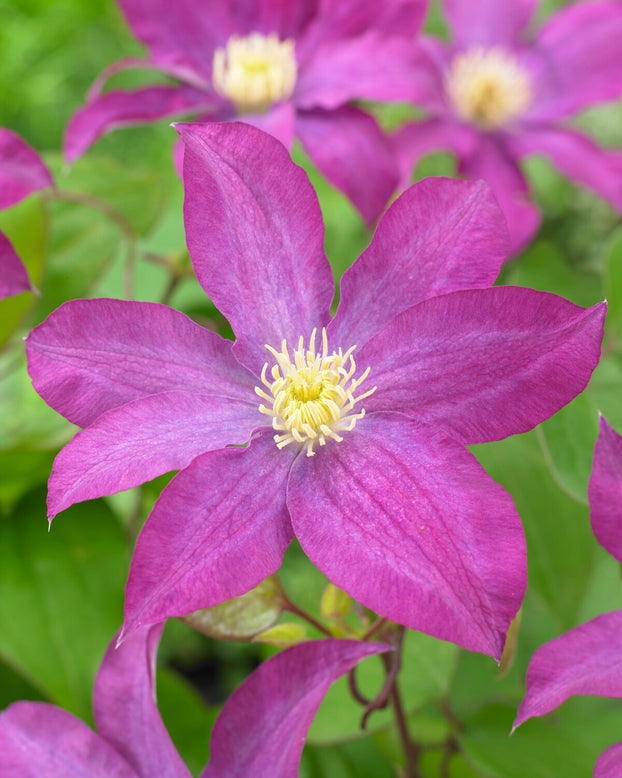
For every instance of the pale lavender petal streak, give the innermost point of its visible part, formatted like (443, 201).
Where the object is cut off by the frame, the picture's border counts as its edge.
(407, 522)
(262, 728)
(219, 528)
(255, 235)
(605, 490)
(124, 705)
(89, 356)
(485, 363)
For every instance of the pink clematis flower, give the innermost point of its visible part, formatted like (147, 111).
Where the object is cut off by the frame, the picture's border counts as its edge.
(260, 731)
(22, 172)
(587, 660)
(289, 68)
(498, 92)
(371, 409)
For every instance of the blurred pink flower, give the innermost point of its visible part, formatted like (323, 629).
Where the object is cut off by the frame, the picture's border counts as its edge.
(497, 93)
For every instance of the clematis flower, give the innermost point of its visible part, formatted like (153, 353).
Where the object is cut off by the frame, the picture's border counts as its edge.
(586, 660)
(499, 92)
(355, 425)
(260, 731)
(22, 172)
(289, 68)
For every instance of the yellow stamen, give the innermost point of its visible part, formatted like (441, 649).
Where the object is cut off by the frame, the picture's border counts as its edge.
(488, 87)
(311, 396)
(256, 71)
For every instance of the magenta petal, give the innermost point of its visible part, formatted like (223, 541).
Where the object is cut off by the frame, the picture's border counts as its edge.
(145, 438)
(417, 139)
(13, 275)
(262, 728)
(181, 35)
(608, 763)
(89, 356)
(22, 170)
(217, 530)
(372, 66)
(578, 58)
(37, 739)
(586, 660)
(406, 521)
(486, 363)
(441, 235)
(577, 157)
(605, 490)
(259, 259)
(125, 708)
(491, 161)
(121, 109)
(349, 148)
(489, 22)
(279, 121)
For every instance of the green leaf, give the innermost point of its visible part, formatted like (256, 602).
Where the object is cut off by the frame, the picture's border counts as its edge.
(61, 596)
(567, 441)
(560, 544)
(613, 281)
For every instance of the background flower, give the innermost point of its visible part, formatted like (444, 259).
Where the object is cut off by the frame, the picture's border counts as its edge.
(496, 93)
(288, 68)
(22, 172)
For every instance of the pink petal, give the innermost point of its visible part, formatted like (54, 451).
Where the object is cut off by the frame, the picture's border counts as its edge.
(489, 22)
(124, 705)
(138, 441)
(586, 660)
(484, 364)
(577, 157)
(218, 529)
(122, 109)
(577, 58)
(89, 356)
(491, 161)
(608, 763)
(417, 139)
(37, 739)
(349, 148)
(267, 16)
(441, 235)
(372, 66)
(605, 490)
(22, 171)
(260, 260)
(13, 275)
(183, 35)
(262, 728)
(279, 121)
(407, 522)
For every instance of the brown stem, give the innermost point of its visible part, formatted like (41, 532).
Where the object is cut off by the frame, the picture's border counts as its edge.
(289, 606)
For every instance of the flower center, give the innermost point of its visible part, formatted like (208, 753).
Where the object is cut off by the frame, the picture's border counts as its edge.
(256, 71)
(311, 396)
(488, 87)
